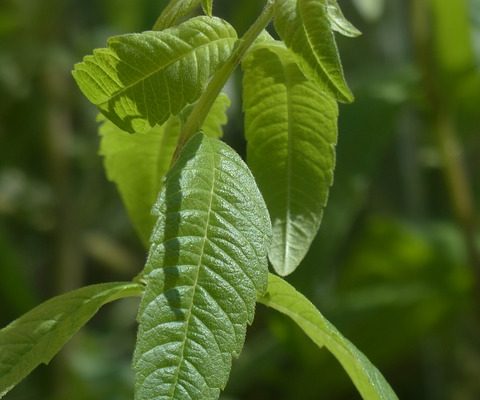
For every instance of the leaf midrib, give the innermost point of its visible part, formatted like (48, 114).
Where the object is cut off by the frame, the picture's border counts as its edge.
(195, 284)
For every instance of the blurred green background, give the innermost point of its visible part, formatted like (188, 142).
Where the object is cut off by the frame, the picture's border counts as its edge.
(395, 267)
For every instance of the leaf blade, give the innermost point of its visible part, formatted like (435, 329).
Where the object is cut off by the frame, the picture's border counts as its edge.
(140, 80)
(305, 28)
(207, 6)
(45, 329)
(338, 22)
(291, 132)
(173, 12)
(368, 380)
(207, 262)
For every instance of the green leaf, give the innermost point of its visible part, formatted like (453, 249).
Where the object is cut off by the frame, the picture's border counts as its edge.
(207, 6)
(291, 131)
(38, 335)
(304, 26)
(140, 80)
(173, 12)
(137, 163)
(368, 380)
(338, 22)
(217, 117)
(206, 265)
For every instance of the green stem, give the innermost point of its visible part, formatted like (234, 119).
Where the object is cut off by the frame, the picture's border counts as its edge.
(204, 104)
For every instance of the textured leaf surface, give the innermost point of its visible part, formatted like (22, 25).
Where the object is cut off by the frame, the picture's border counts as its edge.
(305, 28)
(366, 377)
(138, 163)
(140, 80)
(291, 131)
(38, 335)
(338, 22)
(206, 265)
(174, 12)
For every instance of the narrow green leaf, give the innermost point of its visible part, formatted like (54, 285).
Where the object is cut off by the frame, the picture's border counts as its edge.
(206, 265)
(174, 12)
(38, 335)
(140, 80)
(207, 6)
(368, 380)
(338, 22)
(137, 163)
(304, 26)
(291, 131)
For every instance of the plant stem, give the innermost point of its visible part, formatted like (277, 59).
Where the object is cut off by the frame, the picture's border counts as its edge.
(202, 107)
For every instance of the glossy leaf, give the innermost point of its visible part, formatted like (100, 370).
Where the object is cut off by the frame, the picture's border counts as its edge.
(304, 26)
(206, 265)
(291, 131)
(38, 335)
(140, 80)
(138, 163)
(338, 22)
(174, 11)
(368, 380)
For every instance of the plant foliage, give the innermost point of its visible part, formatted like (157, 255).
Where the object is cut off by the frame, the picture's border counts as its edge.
(211, 228)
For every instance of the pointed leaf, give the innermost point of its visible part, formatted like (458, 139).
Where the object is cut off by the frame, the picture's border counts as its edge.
(207, 6)
(291, 131)
(38, 335)
(368, 380)
(338, 22)
(305, 28)
(173, 12)
(140, 80)
(206, 264)
(137, 163)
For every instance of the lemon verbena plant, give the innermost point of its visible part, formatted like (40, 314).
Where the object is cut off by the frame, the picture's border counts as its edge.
(211, 223)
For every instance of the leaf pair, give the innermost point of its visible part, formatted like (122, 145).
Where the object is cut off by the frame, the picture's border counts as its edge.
(39, 334)
(291, 121)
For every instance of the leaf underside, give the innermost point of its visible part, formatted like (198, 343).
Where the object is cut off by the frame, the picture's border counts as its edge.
(38, 335)
(206, 265)
(305, 28)
(368, 380)
(291, 131)
(138, 163)
(338, 22)
(140, 80)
